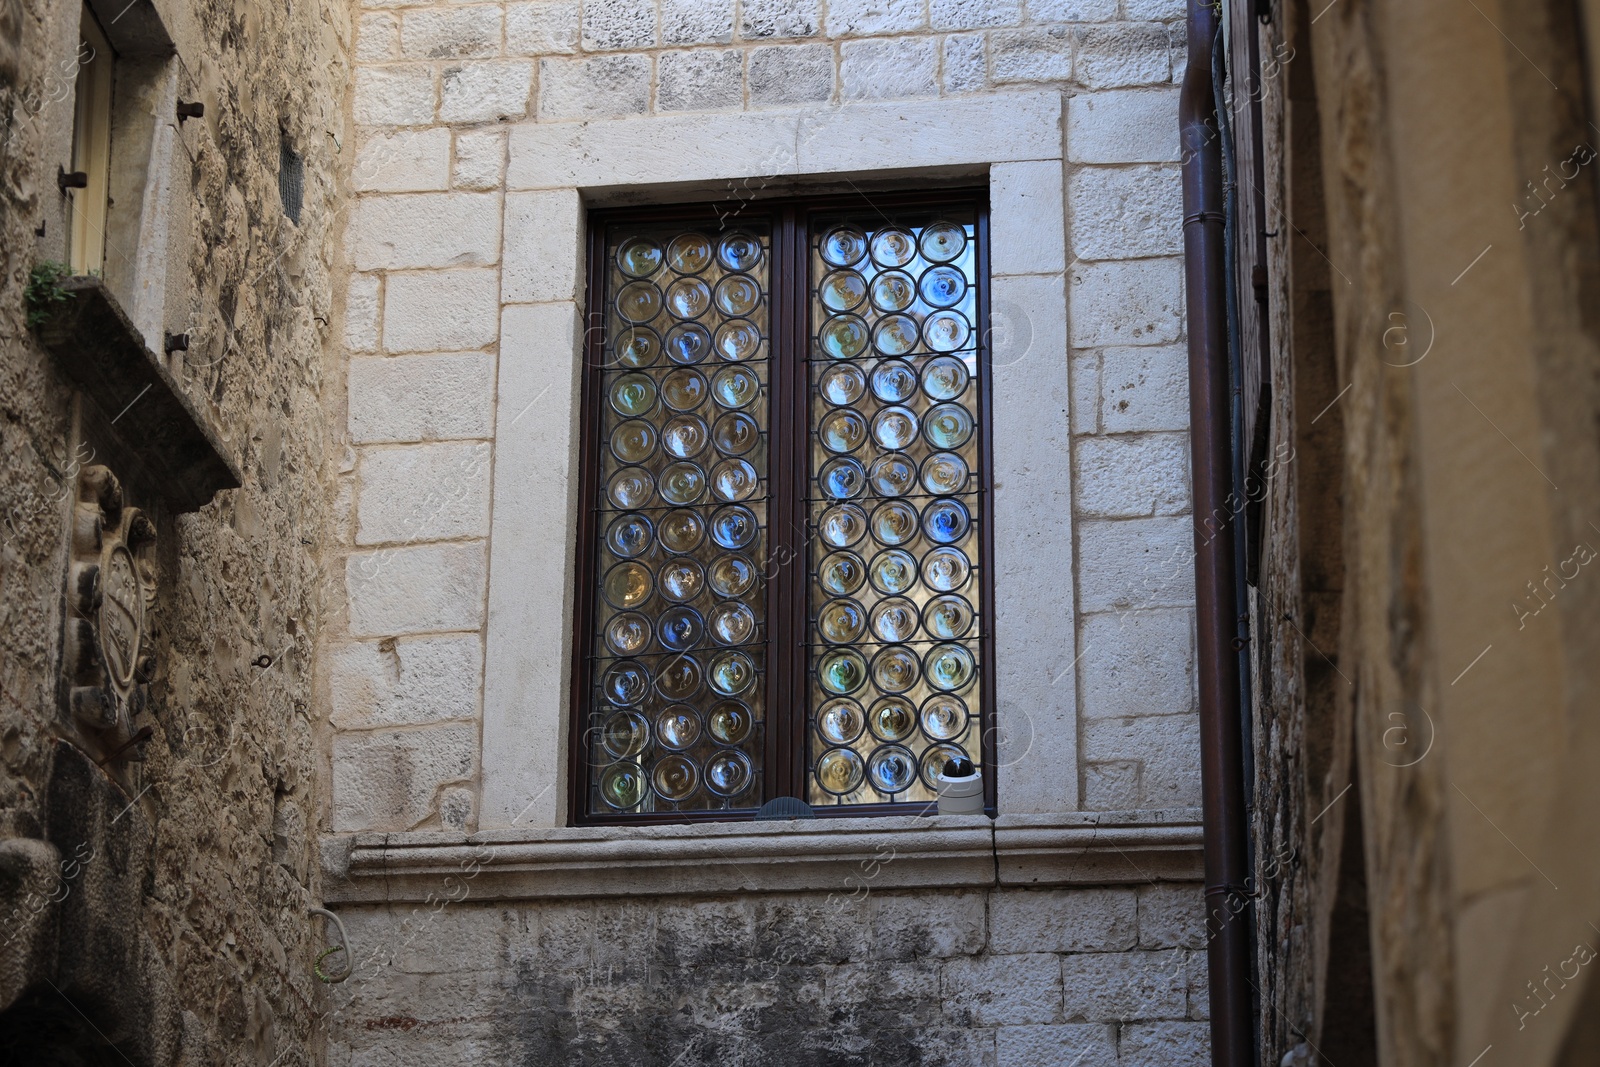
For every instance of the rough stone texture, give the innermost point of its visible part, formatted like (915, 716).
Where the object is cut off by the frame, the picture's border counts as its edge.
(791, 74)
(1113, 57)
(434, 310)
(1061, 920)
(424, 230)
(451, 32)
(1126, 213)
(1127, 302)
(1171, 916)
(1125, 985)
(1123, 126)
(871, 69)
(480, 160)
(966, 66)
(403, 161)
(1034, 55)
(775, 19)
(415, 589)
(696, 22)
(1162, 745)
(1030, 1046)
(433, 492)
(591, 88)
(611, 25)
(378, 38)
(167, 898)
(1144, 389)
(1130, 476)
(541, 27)
(1135, 563)
(407, 682)
(854, 18)
(1137, 663)
(700, 80)
(484, 91)
(1076, 10)
(394, 96)
(973, 14)
(1164, 1045)
(391, 778)
(420, 398)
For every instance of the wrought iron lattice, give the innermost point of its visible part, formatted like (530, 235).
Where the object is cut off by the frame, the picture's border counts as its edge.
(894, 506)
(677, 717)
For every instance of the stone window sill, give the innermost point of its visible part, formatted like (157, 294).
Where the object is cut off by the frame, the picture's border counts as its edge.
(143, 405)
(837, 855)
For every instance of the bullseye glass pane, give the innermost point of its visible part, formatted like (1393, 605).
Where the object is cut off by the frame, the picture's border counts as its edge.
(677, 657)
(894, 679)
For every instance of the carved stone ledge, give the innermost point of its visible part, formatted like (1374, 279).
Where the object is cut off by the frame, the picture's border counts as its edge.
(831, 855)
(143, 404)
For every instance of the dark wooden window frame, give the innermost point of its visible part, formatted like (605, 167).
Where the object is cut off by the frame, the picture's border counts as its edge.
(784, 755)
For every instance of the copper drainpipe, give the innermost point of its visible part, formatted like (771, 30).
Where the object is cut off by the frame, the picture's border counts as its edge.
(1216, 600)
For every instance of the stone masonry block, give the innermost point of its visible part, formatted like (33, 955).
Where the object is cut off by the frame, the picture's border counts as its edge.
(1166, 1045)
(891, 69)
(1086, 392)
(1062, 920)
(611, 25)
(1145, 388)
(389, 780)
(594, 88)
(1155, 10)
(1135, 563)
(542, 27)
(405, 683)
(1075, 1044)
(480, 159)
(881, 996)
(412, 493)
(361, 313)
(1024, 237)
(810, 929)
(791, 74)
(485, 91)
(394, 96)
(1172, 915)
(1123, 302)
(407, 231)
(699, 80)
(1071, 10)
(451, 32)
(1127, 212)
(914, 927)
(1123, 54)
(696, 21)
(966, 65)
(544, 231)
(1118, 986)
(1123, 126)
(974, 14)
(1002, 990)
(1137, 663)
(1112, 785)
(1040, 54)
(445, 310)
(418, 589)
(403, 161)
(416, 398)
(1132, 475)
(377, 37)
(855, 18)
(1199, 986)
(765, 20)
(1167, 747)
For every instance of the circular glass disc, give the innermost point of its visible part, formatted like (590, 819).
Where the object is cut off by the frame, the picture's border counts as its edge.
(732, 623)
(688, 342)
(682, 483)
(734, 479)
(892, 248)
(734, 526)
(678, 678)
(640, 257)
(894, 428)
(841, 671)
(950, 668)
(893, 475)
(943, 286)
(675, 778)
(943, 241)
(627, 585)
(842, 384)
(944, 377)
(684, 389)
(844, 336)
(893, 381)
(843, 246)
(738, 339)
(732, 673)
(739, 251)
(682, 531)
(628, 535)
(630, 487)
(678, 726)
(892, 719)
(681, 628)
(735, 387)
(728, 774)
(894, 619)
(945, 522)
(731, 576)
(625, 734)
(633, 441)
(944, 472)
(736, 434)
(946, 331)
(638, 302)
(839, 291)
(628, 633)
(841, 573)
(946, 569)
(893, 572)
(622, 786)
(894, 523)
(638, 347)
(841, 621)
(633, 394)
(684, 436)
(681, 579)
(729, 722)
(626, 683)
(840, 721)
(839, 771)
(895, 335)
(841, 526)
(894, 670)
(893, 290)
(892, 769)
(842, 479)
(944, 717)
(947, 617)
(842, 430)
(689, 253)
(738, 294)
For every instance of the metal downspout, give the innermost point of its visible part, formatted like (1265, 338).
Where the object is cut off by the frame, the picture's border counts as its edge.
(1216, 597)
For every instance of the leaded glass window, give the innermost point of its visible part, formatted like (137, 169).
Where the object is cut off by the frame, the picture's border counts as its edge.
(784, 544)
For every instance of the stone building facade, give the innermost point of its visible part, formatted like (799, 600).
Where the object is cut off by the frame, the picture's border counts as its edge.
(1067, 928)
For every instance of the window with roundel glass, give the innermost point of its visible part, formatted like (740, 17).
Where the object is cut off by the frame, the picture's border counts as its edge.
(783, 542)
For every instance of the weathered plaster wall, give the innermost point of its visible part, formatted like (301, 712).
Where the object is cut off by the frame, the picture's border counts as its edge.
(220, 828)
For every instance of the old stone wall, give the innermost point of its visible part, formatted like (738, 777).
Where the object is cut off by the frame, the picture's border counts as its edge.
(1012, 978)
(1423, 700)
(204, 869)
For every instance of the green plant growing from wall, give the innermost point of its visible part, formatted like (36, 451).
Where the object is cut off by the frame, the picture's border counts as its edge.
(44, 291)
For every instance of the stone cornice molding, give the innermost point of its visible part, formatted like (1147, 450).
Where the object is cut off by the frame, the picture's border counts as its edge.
(823, 855)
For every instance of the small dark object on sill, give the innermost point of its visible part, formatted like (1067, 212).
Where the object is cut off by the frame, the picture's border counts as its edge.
(191, 110)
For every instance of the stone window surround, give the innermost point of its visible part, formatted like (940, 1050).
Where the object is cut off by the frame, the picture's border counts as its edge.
(554, 172)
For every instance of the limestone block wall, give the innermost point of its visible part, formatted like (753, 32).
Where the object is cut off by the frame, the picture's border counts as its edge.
(482, 133)
(1004, 978)
(463, 248)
